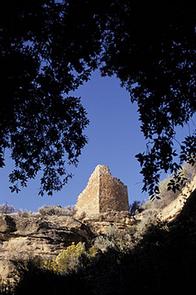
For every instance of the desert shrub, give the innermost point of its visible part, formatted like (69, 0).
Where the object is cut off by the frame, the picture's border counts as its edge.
(67, 260)
(149, 219)
(119, 240)
(166, 196)
(92, 251)
(103, 243)
(189, 171)
(71, 259)
(7, 209)
(24, 214)
(57, 210)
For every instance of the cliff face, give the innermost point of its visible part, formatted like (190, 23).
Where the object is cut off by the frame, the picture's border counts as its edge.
(45, 235)
(32, 235)
(171, 211)
(25, 235)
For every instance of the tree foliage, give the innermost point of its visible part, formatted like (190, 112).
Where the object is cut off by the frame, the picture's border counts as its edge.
(43, 57)
(49, 48)
(150, 47)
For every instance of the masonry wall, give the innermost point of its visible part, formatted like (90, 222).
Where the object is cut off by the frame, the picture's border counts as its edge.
(103, 193)
(88, 200)
(113, 194)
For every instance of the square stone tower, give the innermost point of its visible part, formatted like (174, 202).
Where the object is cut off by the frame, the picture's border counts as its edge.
(103, 193)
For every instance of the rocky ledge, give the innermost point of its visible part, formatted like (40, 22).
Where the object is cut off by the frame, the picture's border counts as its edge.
(30, 235)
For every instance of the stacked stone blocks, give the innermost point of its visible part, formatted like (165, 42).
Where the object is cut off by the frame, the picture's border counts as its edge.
(103, 193)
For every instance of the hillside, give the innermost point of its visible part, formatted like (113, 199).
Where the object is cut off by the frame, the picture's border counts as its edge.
(106, 253)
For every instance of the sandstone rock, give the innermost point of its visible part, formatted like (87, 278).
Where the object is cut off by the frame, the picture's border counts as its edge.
(171, 211)
(105, 202)
(37, 236)
(7, 224)
(7, 272)
(103, 193)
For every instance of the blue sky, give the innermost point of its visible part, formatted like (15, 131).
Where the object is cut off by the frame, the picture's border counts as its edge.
(114, 138)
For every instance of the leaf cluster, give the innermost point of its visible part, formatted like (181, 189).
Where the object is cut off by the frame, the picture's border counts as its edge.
(48, 49)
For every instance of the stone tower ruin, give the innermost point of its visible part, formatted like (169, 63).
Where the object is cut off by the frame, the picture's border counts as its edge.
(103, 193)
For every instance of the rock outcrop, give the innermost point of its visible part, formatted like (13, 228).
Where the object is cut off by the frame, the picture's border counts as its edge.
(37, 236)
(105, 202)
(103, 193)
(171, 211)
(31, 235)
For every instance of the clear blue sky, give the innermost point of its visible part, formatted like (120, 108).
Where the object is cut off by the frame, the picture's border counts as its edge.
(114, 138)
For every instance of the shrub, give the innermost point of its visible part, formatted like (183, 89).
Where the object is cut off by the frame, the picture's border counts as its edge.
(57, 210)
(24, 214)
(103, 243)
(116, 239)
(121, 238)
(67, 260)
(189, 171)
(149, 219)
(7, 209)
(93, 251)
(167, 196)
(71, 259)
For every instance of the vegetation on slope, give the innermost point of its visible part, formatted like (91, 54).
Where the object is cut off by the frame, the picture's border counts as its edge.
(162, 261)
